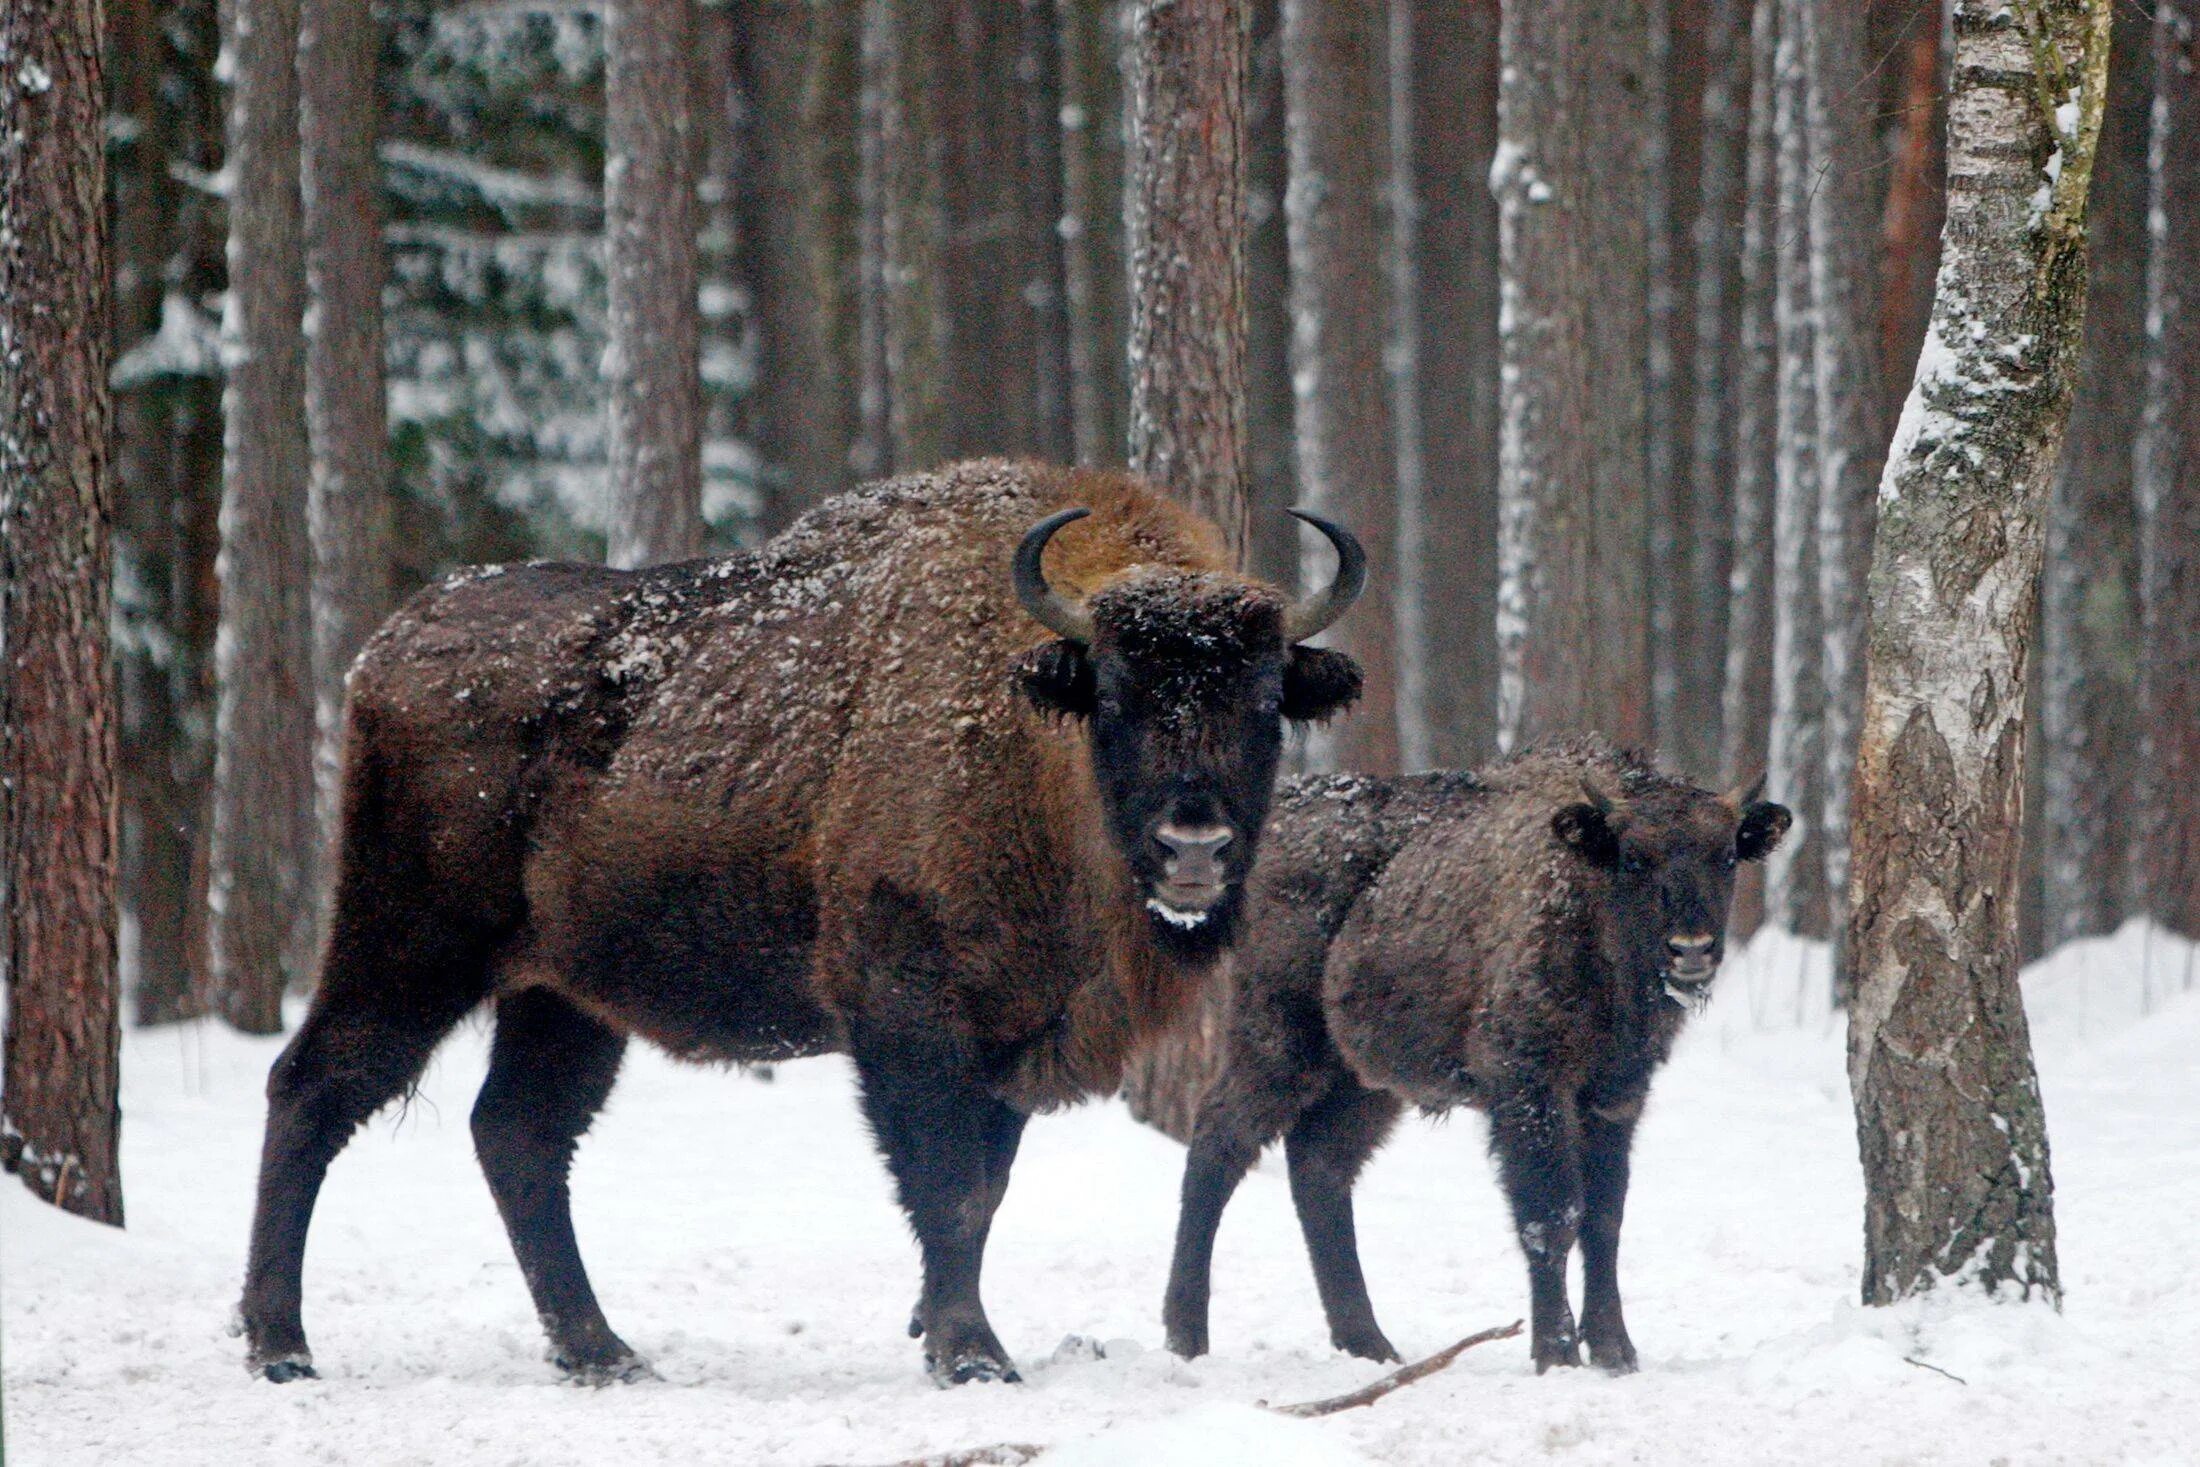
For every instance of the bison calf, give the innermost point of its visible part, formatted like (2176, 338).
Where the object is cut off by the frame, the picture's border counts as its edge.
(1526, 941)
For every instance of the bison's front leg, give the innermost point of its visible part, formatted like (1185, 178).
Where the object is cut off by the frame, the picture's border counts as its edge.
(1606, 1140)
(1536, 1138)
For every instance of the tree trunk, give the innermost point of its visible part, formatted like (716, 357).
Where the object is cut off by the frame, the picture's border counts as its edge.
(1795, 877)
(264, 829)
(1573, 623)
(1949, 1121)
(61, 1127)
(1271, 430)
(1453, 137)
(2166, 469)
(1674, 115)
(655, 474)
(1039, 80)
(2089, 600)
(1184, 228)
(348, 511)
(1092, 213)
(1336, 112)
(904, 348)
(797, 69)
(1916, 200)
(1843, 231)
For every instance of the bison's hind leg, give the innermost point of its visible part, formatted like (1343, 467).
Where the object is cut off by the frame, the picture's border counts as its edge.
(550, 1070)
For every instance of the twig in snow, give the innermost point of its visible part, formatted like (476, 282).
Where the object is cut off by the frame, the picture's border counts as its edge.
(1922, 1365)
(1000, 1454)
(1404, 1375)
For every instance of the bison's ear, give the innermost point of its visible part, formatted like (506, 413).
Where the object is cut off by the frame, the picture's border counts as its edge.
(1588, 829)
(1318, 683)
(1763, 823)
(1057, 678)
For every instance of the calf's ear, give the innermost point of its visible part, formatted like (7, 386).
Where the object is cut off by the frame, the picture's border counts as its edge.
(1588, 829)
(1763, 823)
(1318, 683)
(1057, 677)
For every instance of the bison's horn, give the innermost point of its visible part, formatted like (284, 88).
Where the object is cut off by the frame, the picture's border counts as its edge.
(1744, 796)
(1054, 611)
(1311, 614)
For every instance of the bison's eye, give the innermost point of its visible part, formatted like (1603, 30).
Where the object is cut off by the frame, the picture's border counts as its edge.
(1732, 858)
(1635, 863)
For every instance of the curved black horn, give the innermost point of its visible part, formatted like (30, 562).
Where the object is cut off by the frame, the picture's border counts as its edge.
(1741, 797)
(1054, 611)
(1310, 614)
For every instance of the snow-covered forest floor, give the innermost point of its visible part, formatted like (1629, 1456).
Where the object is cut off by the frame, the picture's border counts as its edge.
(742, 1234)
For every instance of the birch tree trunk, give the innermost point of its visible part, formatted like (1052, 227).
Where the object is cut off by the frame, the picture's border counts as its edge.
(655, 473)
(2089, 614)
(347, 503)
(61, 1128)
(1337, 108)
(264, 831)
(2166, 469)
(1573, 616)
(1949, 1120)
(1184, 228)
(1795, 876)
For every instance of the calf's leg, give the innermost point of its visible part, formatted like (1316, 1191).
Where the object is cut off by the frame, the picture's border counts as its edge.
(1535, 1136)
(550, 1070)
(1605, 1144)
(1326, 1148)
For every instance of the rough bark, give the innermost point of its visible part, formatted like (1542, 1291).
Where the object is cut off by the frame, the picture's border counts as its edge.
(2089, 612)
(1949, 1119)
(1573, 623)
(1092, 213)
(1337, 110)
(1271, 433)
(1843, 298)
(259, 861)
(1454, 136)
(1795, 876)
(347, 505)
(655, 474)
(1184, 239)
(2166, 469)
(1039, 81)
(797, 69)
(58, 830)
(904, 351)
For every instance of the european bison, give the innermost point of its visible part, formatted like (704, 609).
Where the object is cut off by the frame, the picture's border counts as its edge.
(1526, 941)
(844, 793)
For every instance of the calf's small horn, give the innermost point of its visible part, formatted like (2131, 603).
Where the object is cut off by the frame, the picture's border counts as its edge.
(1309, 615)
(1049, 607)
(1747, 795)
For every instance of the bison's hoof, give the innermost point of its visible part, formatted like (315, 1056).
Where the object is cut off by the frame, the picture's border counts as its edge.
(284, 1369)
(1563, 1352)
(1187, 1341)
(1368, 1344)
(622, 1368)
(1617, 1357)
(960, 1356)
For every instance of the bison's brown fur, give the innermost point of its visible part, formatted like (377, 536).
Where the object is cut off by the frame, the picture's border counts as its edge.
(774, 805)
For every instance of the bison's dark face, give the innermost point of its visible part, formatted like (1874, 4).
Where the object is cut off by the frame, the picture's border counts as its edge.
(1669, 860)
(1184, 682)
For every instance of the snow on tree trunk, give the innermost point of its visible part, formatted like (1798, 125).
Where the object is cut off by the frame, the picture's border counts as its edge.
(1795, 877)
(348, 506)
(1573, 616)
(2166, 469)
(655, 474)
(264, 832)
(2089, 622)
(61, 1126)
(1336, 115)
(904, 396)
(1949, 1120)
(1092, 266)
(1850, 430)
(1454, 135)
(1184, 228)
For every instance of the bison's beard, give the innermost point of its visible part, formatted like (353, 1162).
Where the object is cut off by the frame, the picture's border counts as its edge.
(1196, 937)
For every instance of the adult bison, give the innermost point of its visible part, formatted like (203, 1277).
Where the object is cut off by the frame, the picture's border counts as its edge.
(1526, 941)
(845, 793)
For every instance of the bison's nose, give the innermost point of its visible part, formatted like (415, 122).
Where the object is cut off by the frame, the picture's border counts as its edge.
(1691, 954)
(1194, 856)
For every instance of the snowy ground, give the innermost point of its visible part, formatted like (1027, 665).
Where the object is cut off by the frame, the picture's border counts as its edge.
(742, 1235)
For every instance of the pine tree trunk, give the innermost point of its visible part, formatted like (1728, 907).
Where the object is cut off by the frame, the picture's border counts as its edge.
(797, 69)
(1272, 546)
(1039, 80)
(2089, 614)
(655, 475)
(2166, 471)
(1795, 877)
(1674, 115)
(58, 828)
(1949, 1121)
(904, 351)
(1336, 108)
(1916, 201)
(1573, 615)
(1184, 228)
(264, 828)
(1843, 233)
(1092, 214)
(348, 510)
